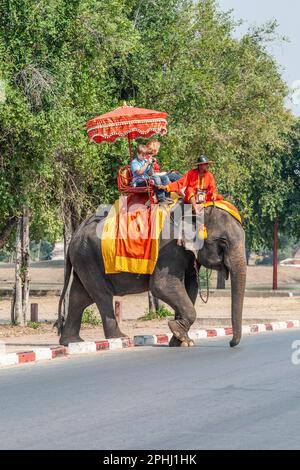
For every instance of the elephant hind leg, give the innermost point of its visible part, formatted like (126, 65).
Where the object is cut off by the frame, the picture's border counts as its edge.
(104, 301)
(79, 299)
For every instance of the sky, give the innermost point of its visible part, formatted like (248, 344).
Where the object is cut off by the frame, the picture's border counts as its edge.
(287, 54)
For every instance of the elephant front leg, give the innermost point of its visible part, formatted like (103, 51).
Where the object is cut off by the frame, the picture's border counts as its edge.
(172, 291)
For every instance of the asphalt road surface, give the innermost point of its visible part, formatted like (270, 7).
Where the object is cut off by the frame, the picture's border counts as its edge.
(206, 397)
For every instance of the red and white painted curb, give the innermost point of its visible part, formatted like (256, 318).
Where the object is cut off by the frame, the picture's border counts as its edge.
(148, 340)
(86, 347)
(41, 354)
(37, 354)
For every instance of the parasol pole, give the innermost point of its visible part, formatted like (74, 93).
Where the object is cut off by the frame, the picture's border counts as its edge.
(130, 148)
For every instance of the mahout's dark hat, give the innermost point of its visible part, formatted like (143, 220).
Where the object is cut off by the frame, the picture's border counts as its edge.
(203, 160)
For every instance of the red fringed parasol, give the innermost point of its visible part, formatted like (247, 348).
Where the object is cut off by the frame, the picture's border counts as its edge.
(126, 121)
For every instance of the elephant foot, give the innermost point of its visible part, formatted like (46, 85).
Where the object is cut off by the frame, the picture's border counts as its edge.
(234, 342)
(65, 340)
(179, 332)
(176, 343)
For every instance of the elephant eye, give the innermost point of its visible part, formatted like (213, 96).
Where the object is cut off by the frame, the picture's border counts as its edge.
(222, 242)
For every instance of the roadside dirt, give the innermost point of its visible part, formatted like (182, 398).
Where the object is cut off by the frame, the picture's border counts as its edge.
(217, 309)
(53, 273)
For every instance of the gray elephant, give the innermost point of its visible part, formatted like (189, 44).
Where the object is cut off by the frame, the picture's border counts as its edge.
(174, 279)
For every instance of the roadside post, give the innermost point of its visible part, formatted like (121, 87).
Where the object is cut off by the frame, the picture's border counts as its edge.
(34, 313)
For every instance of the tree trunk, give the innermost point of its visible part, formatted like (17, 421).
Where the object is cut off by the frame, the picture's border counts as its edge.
(17, 300)
(248, 253)
(21, 290)
(25, 264)
(220, 280)
(154, 302)
(39, 251)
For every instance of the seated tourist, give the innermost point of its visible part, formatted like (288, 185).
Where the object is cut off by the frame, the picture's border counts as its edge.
(153, 147)
(142, 172)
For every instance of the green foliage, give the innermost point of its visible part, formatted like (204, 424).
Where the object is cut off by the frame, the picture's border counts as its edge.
(65, 61)
(290, 172)
(162, 312)
(33, 324)
(205, 277)
(90, 317)
(287, 247)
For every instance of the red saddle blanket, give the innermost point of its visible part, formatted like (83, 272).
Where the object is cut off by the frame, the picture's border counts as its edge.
(130, 238)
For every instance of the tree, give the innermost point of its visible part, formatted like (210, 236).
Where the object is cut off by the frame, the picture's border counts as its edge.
(54, 59)
(290, 219)
(224, 96)
(65, 61)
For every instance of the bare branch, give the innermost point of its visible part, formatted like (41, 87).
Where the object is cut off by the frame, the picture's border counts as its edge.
(35, 82)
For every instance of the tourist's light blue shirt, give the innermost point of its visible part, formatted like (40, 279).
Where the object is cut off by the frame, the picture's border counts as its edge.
(136, 165)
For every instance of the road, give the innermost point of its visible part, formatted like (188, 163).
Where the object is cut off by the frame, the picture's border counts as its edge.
(207, 397)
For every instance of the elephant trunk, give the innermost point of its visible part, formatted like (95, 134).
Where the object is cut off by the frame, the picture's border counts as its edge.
(238, 268)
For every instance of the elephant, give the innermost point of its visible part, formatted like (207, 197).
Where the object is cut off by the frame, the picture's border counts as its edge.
(174, 279)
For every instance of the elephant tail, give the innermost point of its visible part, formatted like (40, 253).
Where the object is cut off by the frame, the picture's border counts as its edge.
(61, 320)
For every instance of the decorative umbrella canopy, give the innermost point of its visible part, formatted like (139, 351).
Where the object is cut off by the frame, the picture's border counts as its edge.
(126, 121)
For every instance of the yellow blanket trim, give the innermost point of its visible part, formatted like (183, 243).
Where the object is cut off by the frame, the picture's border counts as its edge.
(134, 265)
(220, 205)
(108, 240)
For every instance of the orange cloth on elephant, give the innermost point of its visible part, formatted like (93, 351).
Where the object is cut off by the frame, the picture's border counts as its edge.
(192, 181)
